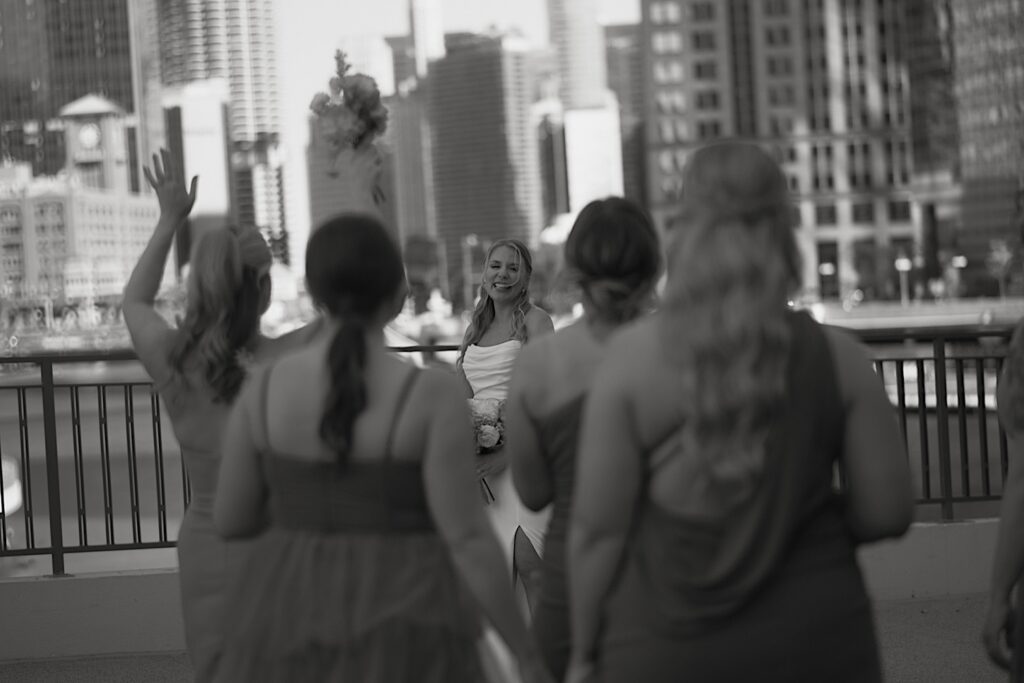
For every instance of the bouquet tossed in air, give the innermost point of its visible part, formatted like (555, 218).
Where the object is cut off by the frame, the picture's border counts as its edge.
(488, 423)
(351, 116)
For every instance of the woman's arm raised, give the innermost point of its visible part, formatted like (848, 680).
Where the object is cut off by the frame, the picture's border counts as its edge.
(454, 501)
(149, 331)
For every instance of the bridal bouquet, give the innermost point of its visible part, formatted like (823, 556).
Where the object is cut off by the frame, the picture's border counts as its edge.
(488, 423)
(351, 116)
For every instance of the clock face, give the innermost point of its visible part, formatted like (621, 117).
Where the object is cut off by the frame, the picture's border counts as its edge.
(89, 136)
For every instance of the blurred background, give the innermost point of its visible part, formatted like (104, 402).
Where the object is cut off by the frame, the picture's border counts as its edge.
(900, 124)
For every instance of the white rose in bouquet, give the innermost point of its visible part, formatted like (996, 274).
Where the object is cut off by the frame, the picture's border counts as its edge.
(488, 423)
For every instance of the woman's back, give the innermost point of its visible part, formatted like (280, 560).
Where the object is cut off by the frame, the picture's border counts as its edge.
(351, 558)
(703, 574)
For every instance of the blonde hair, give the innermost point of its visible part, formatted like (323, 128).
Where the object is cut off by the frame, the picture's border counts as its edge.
(733, 264)
(483, 313)
(227, 282)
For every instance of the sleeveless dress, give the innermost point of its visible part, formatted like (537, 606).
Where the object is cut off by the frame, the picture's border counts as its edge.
(772, 591)
(205, 560)
(351, 582)
(488, 370)
(558, 432)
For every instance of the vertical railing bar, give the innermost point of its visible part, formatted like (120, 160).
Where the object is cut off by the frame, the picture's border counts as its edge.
(1004, 462)
(942, 425)
(79, 458)
(961, 414)
(3, 503)
(52, 468)
(901, 399)
(108, 503)
(27, 499)
(133, 465)
(158, 455)
(922, 412)
(986, 478)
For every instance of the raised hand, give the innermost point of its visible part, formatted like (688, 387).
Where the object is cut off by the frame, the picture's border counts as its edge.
(168, 181)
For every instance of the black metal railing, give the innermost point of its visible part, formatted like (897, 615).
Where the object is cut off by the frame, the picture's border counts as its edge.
(99, 469)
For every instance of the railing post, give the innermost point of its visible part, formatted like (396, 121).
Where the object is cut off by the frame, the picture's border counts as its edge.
(942, 424)
(52, 467)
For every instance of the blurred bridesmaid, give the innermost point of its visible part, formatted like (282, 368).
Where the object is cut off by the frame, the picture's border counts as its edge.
(197, 368)
(707, 542)
(613, 254)
(356, 470)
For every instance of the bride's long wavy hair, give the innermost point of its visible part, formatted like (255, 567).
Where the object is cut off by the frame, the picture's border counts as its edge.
(733, 264)
(483, 313)
(228, 291)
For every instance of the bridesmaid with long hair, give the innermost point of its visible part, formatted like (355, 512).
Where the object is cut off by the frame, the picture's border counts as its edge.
(613, 255)
(503, 321)
(355, 468)
(1003, 632)
(198, 368)
(707, 541)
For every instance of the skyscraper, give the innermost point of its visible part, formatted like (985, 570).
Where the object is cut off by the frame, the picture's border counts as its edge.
(234, 40)
(56, 52)
(590, 115)
(989, 82)
(425, 24)
(579, 45)
(824, 86)
(624, 55)
(484, 148)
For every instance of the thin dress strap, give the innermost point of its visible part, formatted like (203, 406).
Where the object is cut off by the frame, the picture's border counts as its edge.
(385, 491)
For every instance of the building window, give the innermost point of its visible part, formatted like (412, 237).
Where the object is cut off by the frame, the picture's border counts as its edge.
(668, 131)
(703, 40)
(705, 71)
(828, 270)
(899, 210)
(864, 212)
(668, 71)
(780, 66)
(666, 13)
(707, 130)
(776, 8)
(666, 41)
(702, 11)
(825, 214)
(671, 101)
(777, 35)
(708, 99)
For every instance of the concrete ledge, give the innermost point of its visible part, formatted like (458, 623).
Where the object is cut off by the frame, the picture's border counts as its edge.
(932, 560)
(95, 614)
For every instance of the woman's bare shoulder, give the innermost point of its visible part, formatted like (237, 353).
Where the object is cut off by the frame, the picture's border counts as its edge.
(538, 322)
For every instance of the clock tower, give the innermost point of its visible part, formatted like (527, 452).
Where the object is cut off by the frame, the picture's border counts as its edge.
(95, 140)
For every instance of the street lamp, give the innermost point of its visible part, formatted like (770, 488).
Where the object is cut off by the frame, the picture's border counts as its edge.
(903, 266)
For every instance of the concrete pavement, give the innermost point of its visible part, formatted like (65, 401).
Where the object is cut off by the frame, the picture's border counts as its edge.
(933, 640)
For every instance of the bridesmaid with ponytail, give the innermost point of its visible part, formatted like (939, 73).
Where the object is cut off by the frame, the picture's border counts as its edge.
(375, 560)
(198, 368)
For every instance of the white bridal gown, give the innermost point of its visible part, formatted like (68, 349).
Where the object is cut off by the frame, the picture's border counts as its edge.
(488, 370)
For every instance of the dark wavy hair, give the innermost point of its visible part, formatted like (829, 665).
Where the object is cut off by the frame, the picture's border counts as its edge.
(734, 263)
(483, 313)
(353, 268)
(227, 292)
(614, 255)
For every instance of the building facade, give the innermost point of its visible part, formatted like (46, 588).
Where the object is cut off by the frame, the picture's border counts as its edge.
(485, 163)
(52, 53)
(234, 41)
(625, 66)
(989, 87)
(821, 83)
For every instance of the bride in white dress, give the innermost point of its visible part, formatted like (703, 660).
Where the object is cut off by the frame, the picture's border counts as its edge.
(504, 320)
